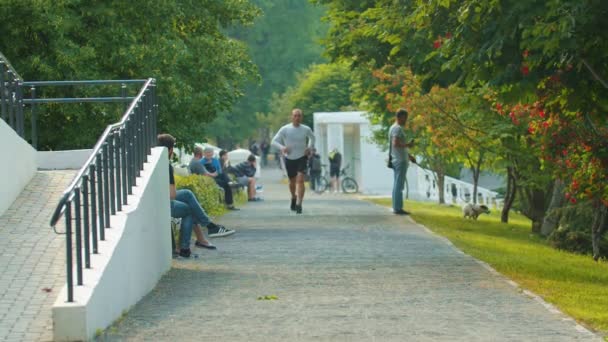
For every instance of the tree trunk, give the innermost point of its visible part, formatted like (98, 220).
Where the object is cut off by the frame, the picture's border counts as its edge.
(510, 194)
(536, 211)
(553, 214)
(598, 227)
(440, 184)
(476, 171)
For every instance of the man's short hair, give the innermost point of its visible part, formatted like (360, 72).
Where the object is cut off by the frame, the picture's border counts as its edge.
(166, 140)
(251, 158)
(401, 112)
(222, 152)
(198, 150)
(208, 149)
(296, 110)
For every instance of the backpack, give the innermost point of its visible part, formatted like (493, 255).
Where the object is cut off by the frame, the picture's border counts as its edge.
(315, 164)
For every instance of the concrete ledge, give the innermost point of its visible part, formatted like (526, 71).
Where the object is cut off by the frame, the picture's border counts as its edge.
(62, 160)
(19, 165)
(134, 256)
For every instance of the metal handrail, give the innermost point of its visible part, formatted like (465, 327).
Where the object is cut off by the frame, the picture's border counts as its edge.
(5, 61)
(102, 185)
(86, 82)
(11, 96)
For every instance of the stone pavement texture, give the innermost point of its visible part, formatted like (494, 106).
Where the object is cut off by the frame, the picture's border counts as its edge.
(32, 259)
(345, 270)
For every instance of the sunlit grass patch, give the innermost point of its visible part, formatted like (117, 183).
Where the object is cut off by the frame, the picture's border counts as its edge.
(574, 283)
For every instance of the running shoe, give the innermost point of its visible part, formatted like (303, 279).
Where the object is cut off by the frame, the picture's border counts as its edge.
(220, 231)
(293, 204)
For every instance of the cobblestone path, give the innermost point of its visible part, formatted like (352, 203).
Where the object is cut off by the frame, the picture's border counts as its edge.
(345, 270)
(32, 259)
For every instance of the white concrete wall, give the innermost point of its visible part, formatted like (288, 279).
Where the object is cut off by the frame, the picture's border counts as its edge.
(134, 256)
(62, 160)
(18, 165)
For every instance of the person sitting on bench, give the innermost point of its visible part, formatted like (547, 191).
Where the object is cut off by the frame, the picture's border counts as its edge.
(245, 175)
(184, 205)
(207, 166)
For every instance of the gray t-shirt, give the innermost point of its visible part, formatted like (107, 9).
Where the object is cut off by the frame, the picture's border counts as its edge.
(196, 168)
(399, 154)
(295, 139)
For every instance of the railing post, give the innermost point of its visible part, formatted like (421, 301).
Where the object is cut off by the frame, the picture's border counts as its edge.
(124, 165)
(137, 139)
(11, 102)
(131, 154)
(106, 188)
(147, 115)
(100, 202)
(3, 92)
(93, 207)
(118, 171)
(34, 119)
(68, 251)
(78, 227)
(20, 118)
(154, 115)
(111, 173)
(123, 94)
(86, 222)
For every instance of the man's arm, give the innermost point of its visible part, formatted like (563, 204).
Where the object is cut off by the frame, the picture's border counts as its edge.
(277, 141)
(198, 169)
(311, 138)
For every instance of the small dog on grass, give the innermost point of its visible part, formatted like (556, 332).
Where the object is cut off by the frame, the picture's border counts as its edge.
(474, 210)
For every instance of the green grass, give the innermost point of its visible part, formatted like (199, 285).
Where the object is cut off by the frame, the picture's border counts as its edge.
(575, 284)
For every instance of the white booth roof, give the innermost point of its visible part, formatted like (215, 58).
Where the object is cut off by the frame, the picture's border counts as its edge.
(340, 117)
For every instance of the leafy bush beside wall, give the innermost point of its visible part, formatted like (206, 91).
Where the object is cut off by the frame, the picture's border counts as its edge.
(205, 190)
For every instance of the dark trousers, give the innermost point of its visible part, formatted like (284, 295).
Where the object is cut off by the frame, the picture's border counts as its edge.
(314, 179)
(222, 180)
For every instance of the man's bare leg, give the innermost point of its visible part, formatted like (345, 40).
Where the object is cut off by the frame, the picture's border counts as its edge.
(251, 188)
(292, 186)
(300, 187)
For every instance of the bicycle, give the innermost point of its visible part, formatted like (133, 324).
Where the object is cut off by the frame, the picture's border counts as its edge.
(349, 184)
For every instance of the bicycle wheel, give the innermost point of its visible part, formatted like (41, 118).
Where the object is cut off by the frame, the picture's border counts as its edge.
(321, 185)
(349, 185)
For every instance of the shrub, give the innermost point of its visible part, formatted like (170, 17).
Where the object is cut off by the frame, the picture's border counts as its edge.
(206, 191)
(574, 233)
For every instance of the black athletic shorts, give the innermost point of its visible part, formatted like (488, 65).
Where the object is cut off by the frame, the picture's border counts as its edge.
(334, 172)
(296, 165)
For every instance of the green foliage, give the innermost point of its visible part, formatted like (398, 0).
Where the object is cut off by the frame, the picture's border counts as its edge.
(206, 191)
(575, 284)
(547, 56)
(200, 71)
(574, 232)
(282, 42)
(320, 88)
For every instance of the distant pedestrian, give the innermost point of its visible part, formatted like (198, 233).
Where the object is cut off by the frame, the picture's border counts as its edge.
(295, 141)
(335, 163)
(399, 156)
(314, 169)
(265, 148)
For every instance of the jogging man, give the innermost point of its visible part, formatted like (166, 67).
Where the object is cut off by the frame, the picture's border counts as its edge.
(291, 139)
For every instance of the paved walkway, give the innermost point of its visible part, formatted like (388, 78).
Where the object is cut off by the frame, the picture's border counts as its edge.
(345, 270)
(32, 260)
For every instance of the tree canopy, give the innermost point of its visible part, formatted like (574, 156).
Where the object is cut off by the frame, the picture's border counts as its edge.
(199, 70)
(282, 42)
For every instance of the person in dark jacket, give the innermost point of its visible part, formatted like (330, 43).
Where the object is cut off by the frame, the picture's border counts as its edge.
(245, 175)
